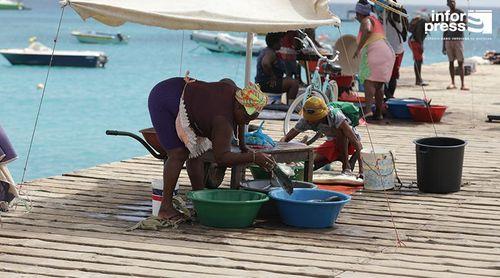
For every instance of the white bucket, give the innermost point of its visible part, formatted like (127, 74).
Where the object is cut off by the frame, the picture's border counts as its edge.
(157, 195)
(273, 98)
(378, 169)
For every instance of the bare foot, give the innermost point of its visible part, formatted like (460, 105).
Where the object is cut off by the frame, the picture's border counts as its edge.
(464, 88)
(451, 87)
(169, 213)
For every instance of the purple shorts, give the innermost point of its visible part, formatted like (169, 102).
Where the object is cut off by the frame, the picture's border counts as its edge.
(163, 104)
(7, 152)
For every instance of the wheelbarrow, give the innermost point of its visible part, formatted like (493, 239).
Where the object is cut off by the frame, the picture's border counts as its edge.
(213, 174)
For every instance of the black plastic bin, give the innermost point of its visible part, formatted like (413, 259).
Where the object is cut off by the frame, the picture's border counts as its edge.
(439, 164)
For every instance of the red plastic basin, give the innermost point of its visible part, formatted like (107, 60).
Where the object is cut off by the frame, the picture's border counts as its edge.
(343, 80)
(420, 113)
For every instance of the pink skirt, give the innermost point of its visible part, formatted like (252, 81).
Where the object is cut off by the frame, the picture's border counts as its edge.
(377, 61)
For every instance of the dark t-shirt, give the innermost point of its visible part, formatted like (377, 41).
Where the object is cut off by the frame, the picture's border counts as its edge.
(455, 35)
(417, 29)
(278, 68)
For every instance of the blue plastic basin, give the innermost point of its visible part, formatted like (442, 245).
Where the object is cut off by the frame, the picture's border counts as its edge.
(297, 209)
(398, 107)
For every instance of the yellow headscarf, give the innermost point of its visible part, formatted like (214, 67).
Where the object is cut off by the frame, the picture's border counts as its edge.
(252, 98)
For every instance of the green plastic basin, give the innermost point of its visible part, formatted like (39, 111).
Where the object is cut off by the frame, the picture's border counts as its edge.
(225, 208)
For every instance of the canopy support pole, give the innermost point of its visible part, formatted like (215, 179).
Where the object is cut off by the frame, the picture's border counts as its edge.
(248, 62)
(384, 22)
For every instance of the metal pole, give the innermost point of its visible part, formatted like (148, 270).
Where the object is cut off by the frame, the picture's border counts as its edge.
(248, 62)
(385, 22)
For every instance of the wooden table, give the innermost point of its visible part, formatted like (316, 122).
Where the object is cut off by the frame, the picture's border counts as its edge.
(282, 153)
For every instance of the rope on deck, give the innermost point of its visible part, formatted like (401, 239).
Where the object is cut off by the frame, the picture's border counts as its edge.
(26, 201)
(399, 242)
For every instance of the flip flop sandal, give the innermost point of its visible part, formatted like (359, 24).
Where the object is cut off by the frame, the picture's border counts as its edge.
(154, 223)
(374, 118)
(181, 206)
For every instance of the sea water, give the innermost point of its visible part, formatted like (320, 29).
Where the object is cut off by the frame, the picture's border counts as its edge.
(80, 104)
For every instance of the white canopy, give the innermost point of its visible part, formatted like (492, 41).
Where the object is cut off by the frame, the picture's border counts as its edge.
(257, 16)
(251, 16)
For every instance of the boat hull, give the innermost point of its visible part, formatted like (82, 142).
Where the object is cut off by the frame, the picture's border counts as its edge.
(100, 38)
(223, 43)
(11, 6)
(59, 60)
(92, 40)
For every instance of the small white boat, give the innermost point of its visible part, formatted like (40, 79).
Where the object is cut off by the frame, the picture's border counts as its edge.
(224, 42)
(38, 54)
(100, 38)
(350, 16)
(11, 5)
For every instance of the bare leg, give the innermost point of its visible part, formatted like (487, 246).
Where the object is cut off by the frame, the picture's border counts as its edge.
(417, 67)
(319, 161)
(171, 171)
(369, 93)
(342, 145)
(291, 87)
(462, 75)
(353, 160)
(391, 88)
(452, 75)
(195, 171)
(379, 99)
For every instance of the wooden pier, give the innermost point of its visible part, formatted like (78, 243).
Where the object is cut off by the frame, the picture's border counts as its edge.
(79, 220)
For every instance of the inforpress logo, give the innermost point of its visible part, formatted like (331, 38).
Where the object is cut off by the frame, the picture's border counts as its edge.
(475, 21)
(480, 21)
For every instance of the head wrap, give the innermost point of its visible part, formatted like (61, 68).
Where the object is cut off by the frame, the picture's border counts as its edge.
(314, 109)
(364, 9)
(252, 98)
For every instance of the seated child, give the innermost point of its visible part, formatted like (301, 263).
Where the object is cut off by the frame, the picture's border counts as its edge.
(342, 139)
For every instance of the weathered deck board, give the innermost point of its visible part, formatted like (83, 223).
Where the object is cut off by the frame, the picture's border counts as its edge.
(78, 225)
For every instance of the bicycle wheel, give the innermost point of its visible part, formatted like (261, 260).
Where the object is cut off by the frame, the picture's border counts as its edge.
(297, 104)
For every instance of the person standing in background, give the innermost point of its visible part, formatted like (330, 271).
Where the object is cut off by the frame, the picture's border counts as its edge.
(377, 58)
(288, 54)
(270, 70)
(416, 43)
(453, 46)
(396, 28)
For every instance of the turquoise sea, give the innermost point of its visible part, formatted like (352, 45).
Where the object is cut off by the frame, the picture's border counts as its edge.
(81, 103)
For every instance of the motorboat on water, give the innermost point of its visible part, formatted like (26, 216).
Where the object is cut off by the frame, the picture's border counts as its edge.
(224, 42)
(11, 5)
(38, 54)
(100, 38)
(350, 16)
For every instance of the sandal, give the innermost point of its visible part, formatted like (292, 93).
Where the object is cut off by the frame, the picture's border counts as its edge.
(154, 223)
(374, 118)
(451, 87)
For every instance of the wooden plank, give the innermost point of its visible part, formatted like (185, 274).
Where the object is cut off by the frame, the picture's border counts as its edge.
(390, 260)
(80, 218)
(100, 268)
(22, 268)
